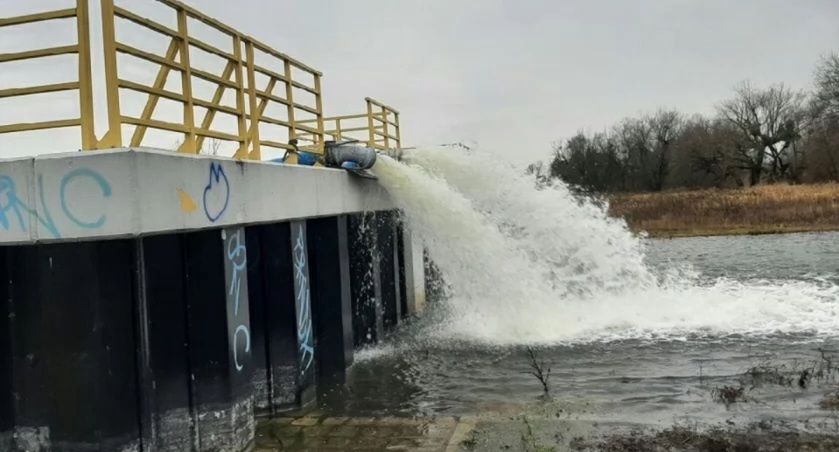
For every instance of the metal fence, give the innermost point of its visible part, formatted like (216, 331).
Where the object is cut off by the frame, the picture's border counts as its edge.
(82, 82)
(239, 74)
(378, 127)
(261, 78)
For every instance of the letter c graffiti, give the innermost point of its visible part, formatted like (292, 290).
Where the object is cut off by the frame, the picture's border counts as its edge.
(103, 185)
(244, 330)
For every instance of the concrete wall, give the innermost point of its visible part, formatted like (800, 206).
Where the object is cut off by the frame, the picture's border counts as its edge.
(245, 286)
(132, 192)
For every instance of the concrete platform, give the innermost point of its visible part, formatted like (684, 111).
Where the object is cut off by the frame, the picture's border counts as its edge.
(132, 192)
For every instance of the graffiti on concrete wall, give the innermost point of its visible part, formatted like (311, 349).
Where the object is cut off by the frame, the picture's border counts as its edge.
(17, 214)
(236, 254)
(186, 201)
(104, 187)
(216, 193)
(303, 306)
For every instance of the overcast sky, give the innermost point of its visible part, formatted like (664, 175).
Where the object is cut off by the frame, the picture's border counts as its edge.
(514, 76)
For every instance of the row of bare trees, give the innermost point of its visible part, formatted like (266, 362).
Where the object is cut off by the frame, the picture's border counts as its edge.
(759, 135)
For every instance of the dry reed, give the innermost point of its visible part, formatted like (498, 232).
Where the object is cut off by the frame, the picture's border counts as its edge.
(763, 209)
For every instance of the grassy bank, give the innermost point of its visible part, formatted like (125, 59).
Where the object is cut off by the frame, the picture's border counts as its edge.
(758, 210)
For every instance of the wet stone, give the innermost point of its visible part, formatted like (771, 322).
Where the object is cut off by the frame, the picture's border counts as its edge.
(364, 433)
(338, 442)
(282, 420)
(362, 421)
(345, 431)
(370, 443)
(335, 421)
(305, 421)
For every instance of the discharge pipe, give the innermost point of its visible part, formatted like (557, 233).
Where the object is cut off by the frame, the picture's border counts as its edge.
(351, 157)
(346, 154)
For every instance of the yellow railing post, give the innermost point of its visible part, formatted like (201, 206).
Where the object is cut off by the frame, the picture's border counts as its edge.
(384, 127)
(245, 135)
(338, 129)
(398, 130)
(371, 143)
(189, 144)
(263, 103)
(255, 153)
(85, 78)
(319, 140)
(289, 95)
(113, 138)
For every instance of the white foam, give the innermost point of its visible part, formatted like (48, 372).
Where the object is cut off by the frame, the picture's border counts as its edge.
(540, 266)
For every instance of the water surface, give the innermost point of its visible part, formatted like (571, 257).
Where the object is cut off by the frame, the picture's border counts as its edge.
(632, 378)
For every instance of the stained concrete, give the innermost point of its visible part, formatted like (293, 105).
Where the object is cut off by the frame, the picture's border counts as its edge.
(136, 191)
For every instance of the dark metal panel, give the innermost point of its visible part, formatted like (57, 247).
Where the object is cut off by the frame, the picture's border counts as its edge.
(329, 271)
(7, 319)
(304, 326)
(164, 345)
(218, 341)
(400, 259)
(280, 318)
(365, 279)
(74, 345)
(346, 292)
(261, 376)
(238, 314)
(387, 249)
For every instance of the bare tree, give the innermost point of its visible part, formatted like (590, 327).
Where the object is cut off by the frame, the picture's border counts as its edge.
(822, 143)
(772, 119)
(826, 96)
(665, 126)
(634, 138)
(703, 154)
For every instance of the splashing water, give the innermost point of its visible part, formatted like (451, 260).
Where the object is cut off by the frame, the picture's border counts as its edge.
(528, 265)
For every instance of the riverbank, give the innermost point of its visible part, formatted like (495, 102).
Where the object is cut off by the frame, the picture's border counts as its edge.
(490, 432)
(765, 209)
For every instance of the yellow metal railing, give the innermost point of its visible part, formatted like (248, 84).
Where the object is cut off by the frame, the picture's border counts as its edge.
(383, 126)
(239, 74)
(378, 127)
(259, 77)
(82, 82)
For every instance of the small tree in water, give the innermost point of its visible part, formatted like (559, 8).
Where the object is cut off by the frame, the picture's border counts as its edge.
(539, 370)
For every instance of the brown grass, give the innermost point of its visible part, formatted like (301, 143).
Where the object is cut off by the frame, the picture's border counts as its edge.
(830, 401)
(758, 210)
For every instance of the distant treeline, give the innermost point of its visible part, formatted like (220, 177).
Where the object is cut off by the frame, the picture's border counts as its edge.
(759, 135)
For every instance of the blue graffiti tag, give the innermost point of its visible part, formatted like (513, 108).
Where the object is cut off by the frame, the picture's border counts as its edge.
(10, 203)
(14, 208)
(217, 179)
(304, 309)
(103, 185)
(237, 255)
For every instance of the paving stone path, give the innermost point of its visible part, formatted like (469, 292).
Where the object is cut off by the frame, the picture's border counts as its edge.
(327, 433)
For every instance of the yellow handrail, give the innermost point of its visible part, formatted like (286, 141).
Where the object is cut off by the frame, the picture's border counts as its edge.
(243, 72)
(378, 127)
(82, 82)
(239, 74)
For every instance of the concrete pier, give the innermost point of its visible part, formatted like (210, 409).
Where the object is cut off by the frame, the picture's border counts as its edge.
(155, 301)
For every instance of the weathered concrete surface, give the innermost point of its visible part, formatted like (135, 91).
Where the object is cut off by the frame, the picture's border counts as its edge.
(132, 192)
